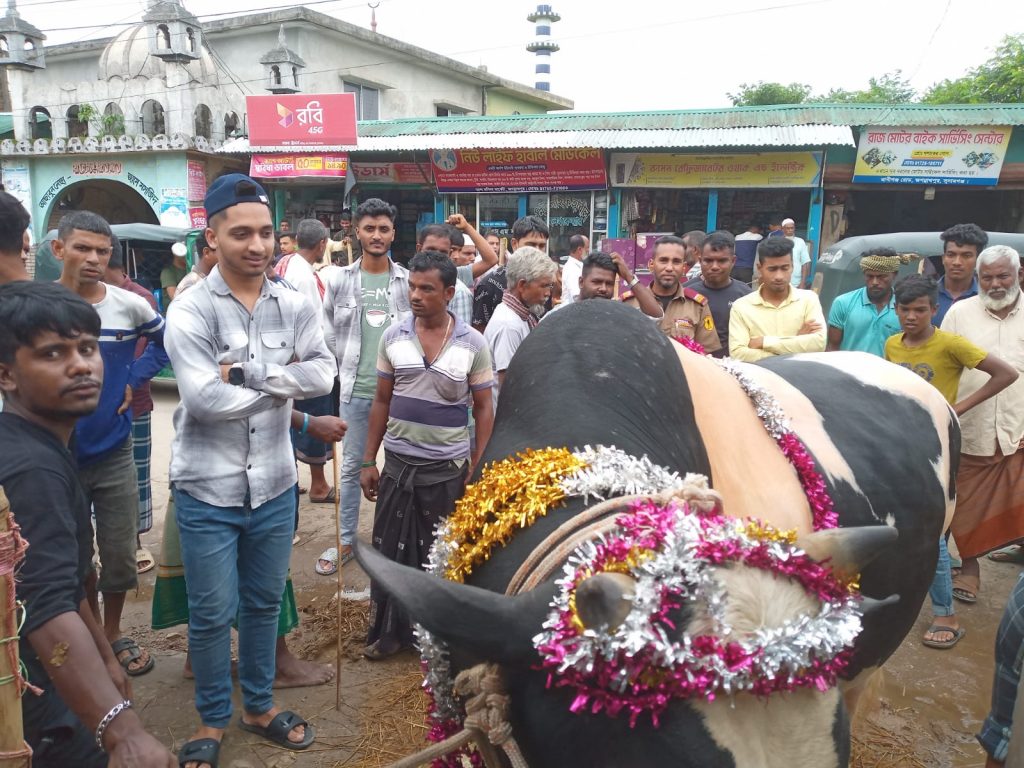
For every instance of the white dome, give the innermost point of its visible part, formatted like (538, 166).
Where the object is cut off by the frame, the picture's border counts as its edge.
(128, 56)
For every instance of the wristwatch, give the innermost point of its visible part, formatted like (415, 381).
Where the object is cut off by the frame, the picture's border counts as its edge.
(634, 281)
(236, 376)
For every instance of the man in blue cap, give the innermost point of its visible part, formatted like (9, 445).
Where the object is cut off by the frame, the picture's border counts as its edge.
(241, 347)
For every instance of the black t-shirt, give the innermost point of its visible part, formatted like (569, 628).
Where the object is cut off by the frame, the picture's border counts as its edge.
(488, 295)
(39, 476)
(720, 300)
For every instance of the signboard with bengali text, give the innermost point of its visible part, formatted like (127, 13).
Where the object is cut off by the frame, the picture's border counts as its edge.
(391, 173)
(302, 120)
(196, 180)
(946, 155)
(333, 165)
(518, 170)
(668, 171)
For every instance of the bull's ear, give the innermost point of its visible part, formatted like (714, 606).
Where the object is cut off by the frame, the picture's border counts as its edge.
(492, 626)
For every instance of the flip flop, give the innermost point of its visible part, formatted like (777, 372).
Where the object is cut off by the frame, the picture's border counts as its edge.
(134, 654)
(144, 560)
(277, 731)
(200, 751)
(966, 588)
(1012, 554)
(328, 499)
(944, 645)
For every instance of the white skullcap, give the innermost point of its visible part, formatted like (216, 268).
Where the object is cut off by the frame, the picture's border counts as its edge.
(788, 221)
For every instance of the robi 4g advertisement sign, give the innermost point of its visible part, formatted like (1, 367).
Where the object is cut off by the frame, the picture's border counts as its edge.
(302, 120)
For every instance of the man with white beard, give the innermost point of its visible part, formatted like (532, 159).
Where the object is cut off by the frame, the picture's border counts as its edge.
(990, 490)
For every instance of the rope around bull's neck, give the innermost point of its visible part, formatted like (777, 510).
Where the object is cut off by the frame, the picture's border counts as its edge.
(549, 556)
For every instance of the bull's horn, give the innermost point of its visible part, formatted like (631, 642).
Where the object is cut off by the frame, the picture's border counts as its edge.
(603, 600)
(486, 624)
(848, 549)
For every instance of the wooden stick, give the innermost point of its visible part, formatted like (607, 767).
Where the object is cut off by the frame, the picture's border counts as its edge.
(502, 251)
(337, 537)
(348, 247)
(12, 742)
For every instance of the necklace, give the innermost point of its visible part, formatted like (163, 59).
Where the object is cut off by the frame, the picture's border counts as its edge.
(440, 349)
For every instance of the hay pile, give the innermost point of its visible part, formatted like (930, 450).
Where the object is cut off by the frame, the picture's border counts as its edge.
(874, 746)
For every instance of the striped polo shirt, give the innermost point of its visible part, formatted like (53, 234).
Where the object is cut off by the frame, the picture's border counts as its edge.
(429, 416)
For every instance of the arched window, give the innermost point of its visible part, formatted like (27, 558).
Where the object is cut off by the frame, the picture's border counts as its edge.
(191, 35)
(153, 118)
(163, 38)
(275, 75)
(230, 124)
(295, 76)
(39, 123)
(77, 127)
(29, 45)
(113, 120)
(203, 121)
(5, 49)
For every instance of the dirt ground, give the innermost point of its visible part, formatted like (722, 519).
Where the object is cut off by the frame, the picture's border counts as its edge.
(930, 706)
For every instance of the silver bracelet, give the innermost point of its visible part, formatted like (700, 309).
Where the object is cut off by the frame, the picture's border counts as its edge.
(108, 719)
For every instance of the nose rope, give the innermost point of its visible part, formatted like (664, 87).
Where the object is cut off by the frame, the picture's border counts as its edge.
(547, 557)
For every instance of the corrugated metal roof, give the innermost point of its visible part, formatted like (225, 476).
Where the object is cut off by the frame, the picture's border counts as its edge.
(726, 117)
(685, 138)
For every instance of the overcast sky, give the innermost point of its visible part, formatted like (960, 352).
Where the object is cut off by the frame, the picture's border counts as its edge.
(653, 54)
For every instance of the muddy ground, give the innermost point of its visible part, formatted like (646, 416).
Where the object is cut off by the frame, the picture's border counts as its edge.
(930, 706)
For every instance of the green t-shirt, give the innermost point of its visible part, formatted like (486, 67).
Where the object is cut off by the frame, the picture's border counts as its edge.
(939, 361)
(375, 318)
(170, 276)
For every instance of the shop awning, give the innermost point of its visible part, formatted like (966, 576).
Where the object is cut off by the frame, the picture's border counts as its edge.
(666, 138)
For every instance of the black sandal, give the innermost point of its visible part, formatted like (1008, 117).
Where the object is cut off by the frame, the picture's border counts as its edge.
(200, 751)
(134, 654)
(277, 730)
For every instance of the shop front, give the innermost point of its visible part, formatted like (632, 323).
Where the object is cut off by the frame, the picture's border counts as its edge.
(925, 179)
(303, 185)
(663, 193)
(568, 188)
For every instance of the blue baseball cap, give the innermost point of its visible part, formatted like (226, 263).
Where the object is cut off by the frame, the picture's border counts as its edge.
(223, 193)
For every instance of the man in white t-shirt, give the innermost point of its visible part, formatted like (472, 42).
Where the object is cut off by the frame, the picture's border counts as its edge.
(579, 247)
(297, 268)
(531, 276)
(801, 256)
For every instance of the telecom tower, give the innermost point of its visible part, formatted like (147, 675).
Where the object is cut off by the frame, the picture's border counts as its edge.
(543, 46)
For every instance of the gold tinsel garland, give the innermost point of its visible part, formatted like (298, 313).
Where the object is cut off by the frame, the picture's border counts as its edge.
(509, 496)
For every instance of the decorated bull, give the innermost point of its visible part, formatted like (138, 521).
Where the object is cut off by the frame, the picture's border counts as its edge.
(680, 562)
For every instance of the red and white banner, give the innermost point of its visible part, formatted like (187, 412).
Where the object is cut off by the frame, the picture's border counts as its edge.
(196, 180)
(299, 164)
(302, 120)
(391, 173)
(518, 170)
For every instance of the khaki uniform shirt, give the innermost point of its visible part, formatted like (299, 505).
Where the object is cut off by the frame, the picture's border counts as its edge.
(689, 315)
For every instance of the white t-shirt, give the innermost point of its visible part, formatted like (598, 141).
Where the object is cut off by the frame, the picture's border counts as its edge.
(504, 333)
(571, 274)
(299, 275)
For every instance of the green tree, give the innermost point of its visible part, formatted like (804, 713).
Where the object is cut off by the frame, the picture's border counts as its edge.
(762, 93)
(999, 80)
(890, 88)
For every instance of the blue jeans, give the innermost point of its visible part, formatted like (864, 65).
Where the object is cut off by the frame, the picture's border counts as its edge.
(356, 413)
(236, 561)
(941, 591)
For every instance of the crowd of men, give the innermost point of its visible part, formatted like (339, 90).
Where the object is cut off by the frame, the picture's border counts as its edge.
(281, 352)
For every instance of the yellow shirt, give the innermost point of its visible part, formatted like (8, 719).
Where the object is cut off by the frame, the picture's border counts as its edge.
(939, 361)
(752, 316)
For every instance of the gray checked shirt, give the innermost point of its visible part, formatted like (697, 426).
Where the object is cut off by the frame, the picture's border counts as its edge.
(232, 442)
(343, 310)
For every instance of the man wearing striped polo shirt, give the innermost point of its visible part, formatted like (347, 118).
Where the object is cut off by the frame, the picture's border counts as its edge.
(429, 368)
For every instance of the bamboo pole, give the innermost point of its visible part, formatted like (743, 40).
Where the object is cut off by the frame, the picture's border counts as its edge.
(348, 248)
(14, 753)
(337, 544)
